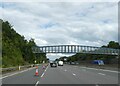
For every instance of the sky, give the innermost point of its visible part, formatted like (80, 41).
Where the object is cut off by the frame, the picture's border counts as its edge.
(60, 23)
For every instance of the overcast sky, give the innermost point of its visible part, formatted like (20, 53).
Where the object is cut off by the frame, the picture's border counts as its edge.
(53, 23)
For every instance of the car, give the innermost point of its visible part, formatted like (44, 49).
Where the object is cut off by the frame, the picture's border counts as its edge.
(53, 64)
(72, 63)
(99, 62)
(77, 63)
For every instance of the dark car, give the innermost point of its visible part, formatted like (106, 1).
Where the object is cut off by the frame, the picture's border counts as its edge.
(53, 64)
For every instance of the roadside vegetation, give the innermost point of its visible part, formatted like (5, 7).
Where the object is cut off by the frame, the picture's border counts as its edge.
(16, 50)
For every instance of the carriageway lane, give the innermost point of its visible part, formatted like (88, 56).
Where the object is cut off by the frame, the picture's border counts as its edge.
(69, 74)
(27, 77)
(57, 76)
(94, 76)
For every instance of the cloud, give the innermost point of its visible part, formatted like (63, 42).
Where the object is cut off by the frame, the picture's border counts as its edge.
(55, 56)
(52, 23)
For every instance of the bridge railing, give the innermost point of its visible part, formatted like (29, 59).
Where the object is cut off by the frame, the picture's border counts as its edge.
(75, 49)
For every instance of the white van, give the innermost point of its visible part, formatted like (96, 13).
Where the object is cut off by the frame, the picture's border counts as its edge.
(60, 63)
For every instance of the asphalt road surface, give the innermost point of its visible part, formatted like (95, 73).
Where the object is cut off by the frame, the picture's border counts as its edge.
(67, 74)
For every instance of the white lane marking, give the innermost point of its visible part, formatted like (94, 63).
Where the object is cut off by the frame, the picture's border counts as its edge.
(46, 68)
(89, 68)
(83, 70)
(42, 75)
(65, 70)
(75, 66)
(96, 85)
(101, 74)
(16, 73)
(110, 71)
(44, 71)
(101, 69)
(74, 74)
(37, 83)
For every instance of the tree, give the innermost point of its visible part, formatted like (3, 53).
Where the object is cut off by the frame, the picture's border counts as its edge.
(113, 44)
(15, 49)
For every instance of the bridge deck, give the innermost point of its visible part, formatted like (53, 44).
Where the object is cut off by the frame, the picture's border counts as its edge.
(75, 49)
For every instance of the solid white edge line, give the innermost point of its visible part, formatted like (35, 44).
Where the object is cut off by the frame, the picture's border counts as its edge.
(16, 73)
(83, 70)
(101, 69)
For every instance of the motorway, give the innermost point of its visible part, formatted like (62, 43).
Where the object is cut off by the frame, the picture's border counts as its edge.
(67, 74)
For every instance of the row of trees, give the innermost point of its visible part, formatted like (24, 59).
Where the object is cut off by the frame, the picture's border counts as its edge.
(89, 57)
(16, 50)
(112, 44)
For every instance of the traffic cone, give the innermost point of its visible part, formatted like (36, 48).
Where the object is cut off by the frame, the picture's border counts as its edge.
(36, 72)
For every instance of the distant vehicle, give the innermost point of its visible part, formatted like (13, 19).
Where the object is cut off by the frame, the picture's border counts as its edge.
(72, 63)
(77, 63)
(60, 63)
(53, 64)
(99, 62)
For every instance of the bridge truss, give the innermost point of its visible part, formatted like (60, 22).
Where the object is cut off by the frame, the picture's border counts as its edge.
(75, 49)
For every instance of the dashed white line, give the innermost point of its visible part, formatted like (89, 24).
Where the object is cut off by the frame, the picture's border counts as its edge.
(65, 70)
(74, 74)
(46, 68)
(44, 71)
(42, 75)
(101, 74)
(96, 85)
(37, 83)
(89, 68)
(110, 71)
